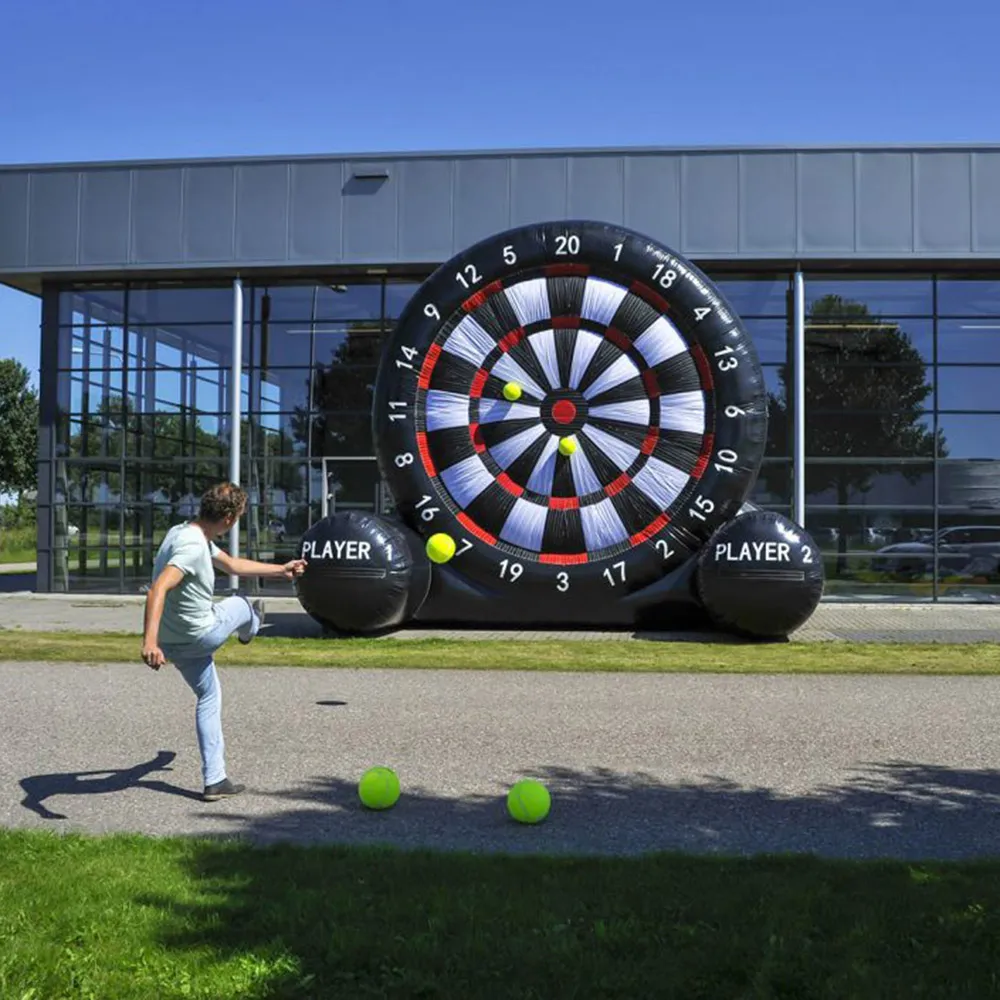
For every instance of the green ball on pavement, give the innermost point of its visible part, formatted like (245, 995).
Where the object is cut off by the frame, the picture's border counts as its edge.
(440, 547)
(529, 801)
(379, 788)
(512, 392)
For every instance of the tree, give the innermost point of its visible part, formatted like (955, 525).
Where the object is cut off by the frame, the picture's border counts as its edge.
(18, 428)
(866, 389)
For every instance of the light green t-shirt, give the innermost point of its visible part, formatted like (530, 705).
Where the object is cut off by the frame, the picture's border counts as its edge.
(187, 611)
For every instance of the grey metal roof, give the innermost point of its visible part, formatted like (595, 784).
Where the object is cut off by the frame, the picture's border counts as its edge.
(900, 203)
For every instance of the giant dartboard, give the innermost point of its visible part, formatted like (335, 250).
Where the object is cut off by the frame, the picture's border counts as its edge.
(613, 341)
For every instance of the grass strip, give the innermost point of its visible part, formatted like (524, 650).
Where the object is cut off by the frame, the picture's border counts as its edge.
(542, 655)
(129, 917)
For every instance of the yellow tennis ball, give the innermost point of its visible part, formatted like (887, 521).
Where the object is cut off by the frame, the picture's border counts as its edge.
(567, 445)
(512, 392)
(379, 788)
(529, 802)
(440, 547)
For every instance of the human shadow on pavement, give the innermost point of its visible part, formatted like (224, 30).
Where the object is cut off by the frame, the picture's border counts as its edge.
(40, 787)
(887, 809)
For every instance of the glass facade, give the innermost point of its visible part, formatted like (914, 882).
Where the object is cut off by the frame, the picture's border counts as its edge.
(902, 443)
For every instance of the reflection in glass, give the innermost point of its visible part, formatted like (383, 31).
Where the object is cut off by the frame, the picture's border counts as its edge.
(957, 297)
(875, 484)
(750, 296)
(969, 435)
(961, 388)
(964, 341)
(92, 305)
(770, 337)
(877, 296)
(397, 295)
(285, 303)
(162, 304)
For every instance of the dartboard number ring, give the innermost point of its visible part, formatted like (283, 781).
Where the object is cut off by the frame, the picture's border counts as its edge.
(575, 404)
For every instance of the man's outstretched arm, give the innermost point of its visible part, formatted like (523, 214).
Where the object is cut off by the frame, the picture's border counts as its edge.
(248, 567)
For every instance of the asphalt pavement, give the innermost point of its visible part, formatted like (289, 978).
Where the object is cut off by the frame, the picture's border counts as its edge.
(845, 766)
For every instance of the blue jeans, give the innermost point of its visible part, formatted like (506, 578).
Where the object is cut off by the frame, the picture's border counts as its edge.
(196, 662)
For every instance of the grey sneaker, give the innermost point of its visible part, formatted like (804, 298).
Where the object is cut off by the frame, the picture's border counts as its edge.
(258, 609)
(222, 790)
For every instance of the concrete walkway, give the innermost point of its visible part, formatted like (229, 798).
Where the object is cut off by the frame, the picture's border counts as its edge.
(838, 766)
(831, 621)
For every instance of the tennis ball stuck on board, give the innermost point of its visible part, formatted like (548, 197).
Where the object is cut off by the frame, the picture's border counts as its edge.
(512, 392)
(529, 802)
(440, 547)
(378, 788)
(567, 445)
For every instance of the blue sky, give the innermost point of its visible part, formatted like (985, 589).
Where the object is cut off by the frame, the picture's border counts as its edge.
(119, 79)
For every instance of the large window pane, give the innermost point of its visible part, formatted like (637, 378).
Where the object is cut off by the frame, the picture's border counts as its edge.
(969, 485)
(766, 296)
(969, 388)
(968, 298)
(343, 434)
(284, 303)
(397, 295)
(876, 296)
(968, 555)
(868, 554)
(283, 390)
(854, 436)
(774, 485)
(165, 305)
(874, 484)
(92, 305)
(281, 435)
(965, 341)
(969, 435)
(770, 337)
(343, 387)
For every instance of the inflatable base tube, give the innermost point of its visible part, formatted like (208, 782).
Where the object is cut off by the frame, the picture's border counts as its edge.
(365, 573)
(760, 575)
(670, 603)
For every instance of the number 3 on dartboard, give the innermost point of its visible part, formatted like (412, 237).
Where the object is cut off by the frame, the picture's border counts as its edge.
(563, 582)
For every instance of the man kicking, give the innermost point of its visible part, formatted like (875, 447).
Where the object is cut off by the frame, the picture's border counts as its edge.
(184, 624)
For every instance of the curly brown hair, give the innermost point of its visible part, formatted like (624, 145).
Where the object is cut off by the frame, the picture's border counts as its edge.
(222, 501)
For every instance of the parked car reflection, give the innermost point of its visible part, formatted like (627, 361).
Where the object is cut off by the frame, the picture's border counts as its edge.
(965, 550)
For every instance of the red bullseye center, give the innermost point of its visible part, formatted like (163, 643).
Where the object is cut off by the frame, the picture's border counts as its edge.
(563, 412)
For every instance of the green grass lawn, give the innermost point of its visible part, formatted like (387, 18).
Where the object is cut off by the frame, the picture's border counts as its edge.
(513, 654)
(128, 917)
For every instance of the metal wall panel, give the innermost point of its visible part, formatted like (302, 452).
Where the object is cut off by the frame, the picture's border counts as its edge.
(13, 220)
(315, 212)
(653, 197)
(942, 197)
(209, 213)
(482, 199)
(826, 203)
(370, 213)
(538, 189)
(425, 210)
(157, 215)
(710, 203)
(767, 203)
(262, 212)
(596, 189)
(884, 209)
(986, 202)
(104, 216)
(837, 204)
(53, 218)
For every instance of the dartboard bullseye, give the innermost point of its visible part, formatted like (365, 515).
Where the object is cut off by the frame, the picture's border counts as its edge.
(576, 405)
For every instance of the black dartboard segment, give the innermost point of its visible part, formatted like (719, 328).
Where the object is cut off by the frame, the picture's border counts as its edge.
(614, 341)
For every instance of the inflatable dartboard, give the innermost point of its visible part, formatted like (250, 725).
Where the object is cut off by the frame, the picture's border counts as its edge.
(577, 407)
